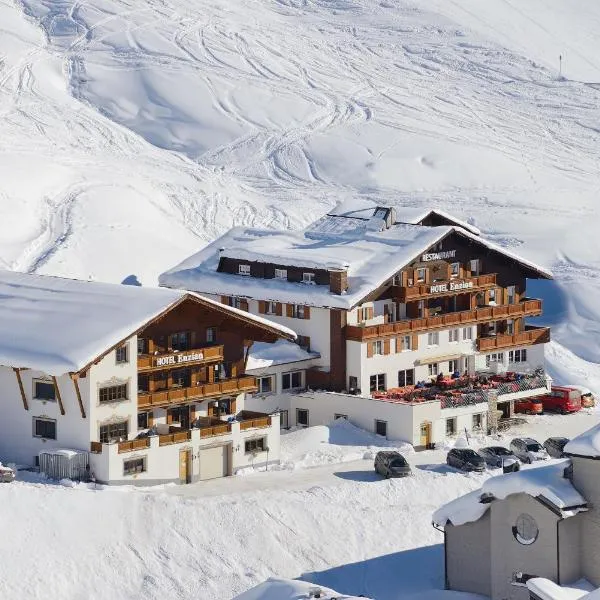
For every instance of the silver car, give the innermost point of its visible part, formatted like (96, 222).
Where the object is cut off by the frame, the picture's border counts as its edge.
(528, 450)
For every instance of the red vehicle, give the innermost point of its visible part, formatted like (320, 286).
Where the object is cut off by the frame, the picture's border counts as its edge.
(562, 399)
(530, 406)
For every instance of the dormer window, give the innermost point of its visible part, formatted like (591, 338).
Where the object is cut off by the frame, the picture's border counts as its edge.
(280, 273)
(308, 278)
(244, 270)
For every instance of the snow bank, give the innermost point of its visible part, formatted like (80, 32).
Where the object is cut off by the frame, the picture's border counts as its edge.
(586, 444)
(285, 589)
(548, 590)
(546, 480)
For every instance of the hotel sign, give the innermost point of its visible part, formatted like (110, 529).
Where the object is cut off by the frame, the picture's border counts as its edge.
(452, 286)
(177, 359)
(438, 255)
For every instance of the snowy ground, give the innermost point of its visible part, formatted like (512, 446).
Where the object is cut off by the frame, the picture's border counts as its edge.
(338, 525)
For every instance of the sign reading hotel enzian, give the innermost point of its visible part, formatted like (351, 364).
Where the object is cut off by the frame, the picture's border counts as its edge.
(175, 359)
(438, 255)
(452, 286)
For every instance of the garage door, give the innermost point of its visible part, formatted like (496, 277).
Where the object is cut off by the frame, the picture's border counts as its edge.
(214, 462)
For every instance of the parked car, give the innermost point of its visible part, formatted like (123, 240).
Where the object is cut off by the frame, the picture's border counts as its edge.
(465, 459)
(528, 450)
(588, 399)
(6, 474)
(555, 445)
(530, 406)
(562, 399)
(499, 456)
(391, 464)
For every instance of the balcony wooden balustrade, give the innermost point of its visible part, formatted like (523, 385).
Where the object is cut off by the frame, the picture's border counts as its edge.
(422, 291)
(128, 446)
(197, 392)
(526, 308)
(154, 362)
(532, 335)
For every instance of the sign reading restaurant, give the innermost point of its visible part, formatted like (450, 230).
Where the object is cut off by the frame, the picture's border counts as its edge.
(438, 255)
(175, 359)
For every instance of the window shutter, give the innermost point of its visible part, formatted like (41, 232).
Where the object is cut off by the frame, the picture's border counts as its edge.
(279, 309)
(386, 346)
(225, 300)
(169, 417)
(427, 275)
(262, 307)
(404, 278)
(369, 312)
(414, 342)
(150, 419)
(307, 312)
(398, 344)
(410, 275)
(193, 412)
(369, 349)
(244, 305)
(289, 310)
(386, 313)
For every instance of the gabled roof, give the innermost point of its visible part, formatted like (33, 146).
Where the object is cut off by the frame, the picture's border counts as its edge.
(59, 326)
(369, 256)
(545, 481)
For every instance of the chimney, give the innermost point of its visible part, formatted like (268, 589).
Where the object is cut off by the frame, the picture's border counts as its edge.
(338, 281)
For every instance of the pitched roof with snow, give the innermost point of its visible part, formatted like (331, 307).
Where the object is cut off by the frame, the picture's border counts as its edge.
(264, 354)
(286, 589)
(58, 325)
(544, 589)
(544, 480)
(369, 255)
(587, 444)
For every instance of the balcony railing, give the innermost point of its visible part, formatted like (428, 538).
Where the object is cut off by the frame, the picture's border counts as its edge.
(526, 308)
(205, 390)
(531, 335)
(128, 446)
(445, 288)
(183, 358)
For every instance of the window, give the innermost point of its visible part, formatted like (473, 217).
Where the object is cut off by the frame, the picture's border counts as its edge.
(304, 342)
(477, 421)
(181, 377)
(122, 356)
(180, 340)
(451, 426)
(454, 335)
(377, 347)
(44, 428)
(308, 278)
(433, 338)
(454, 270)
(405, 342)
(406, 377)
(113, 393)
(114, 432)
(142, 346)
(133, 466)
(143, 383)
(493, 295)
(525, 530)
(364, 313)
(467, 333)
(515, 356)
(475, 266)
(298, 311)
(291, 381)
(302, 417)
(271, 308)
(255, 445)
(244, 270)
(44, 390)
(280, 273)
(496, 357)
(211, 335)
(352, 383)
(381, 427)
(510, 326)
(143, 420)
(453, 366)
(433, 368)
(510, 291)
(492, 328)
(338, 416)
(377, 382)
(421, 275)
(265, 384)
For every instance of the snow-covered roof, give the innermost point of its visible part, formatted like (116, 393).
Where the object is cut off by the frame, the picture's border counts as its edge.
(286, 589)
(587, 444)
(545, 480)
(548, 590)
(264, 354)
(370, 258)
(58, 325)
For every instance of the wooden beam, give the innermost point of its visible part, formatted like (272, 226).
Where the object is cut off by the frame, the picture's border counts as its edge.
(20, 381)
(75, 379)
(58, 397)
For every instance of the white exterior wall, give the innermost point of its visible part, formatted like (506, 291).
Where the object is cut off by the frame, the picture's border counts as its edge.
(535, 358)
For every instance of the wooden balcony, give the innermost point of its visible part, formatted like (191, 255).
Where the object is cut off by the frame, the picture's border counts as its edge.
(184, 358)
(128, 446)
(526, 308)
(445, 288)
(199, 392)
(174, 438)
(532, 335)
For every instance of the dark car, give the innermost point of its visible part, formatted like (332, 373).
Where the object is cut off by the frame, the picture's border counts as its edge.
(499, 456)
(555, 446)
(465, 459)
(391, 464)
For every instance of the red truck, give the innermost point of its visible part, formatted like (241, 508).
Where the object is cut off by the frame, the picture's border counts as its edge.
(562, 399)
